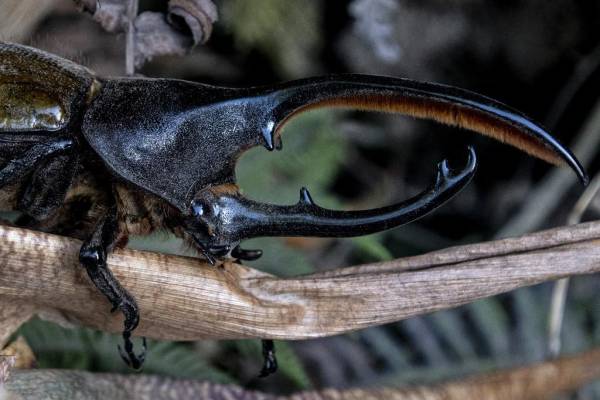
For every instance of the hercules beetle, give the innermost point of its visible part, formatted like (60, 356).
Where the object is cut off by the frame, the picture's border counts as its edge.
(103, 158)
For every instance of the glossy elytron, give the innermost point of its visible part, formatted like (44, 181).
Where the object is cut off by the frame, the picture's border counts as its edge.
(103, 158)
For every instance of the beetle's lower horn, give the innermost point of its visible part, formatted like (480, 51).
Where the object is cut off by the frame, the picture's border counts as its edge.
(247, 219)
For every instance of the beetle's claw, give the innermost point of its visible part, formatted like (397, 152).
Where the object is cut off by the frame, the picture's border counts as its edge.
(129, 309)
(205, 250)
(129, 357)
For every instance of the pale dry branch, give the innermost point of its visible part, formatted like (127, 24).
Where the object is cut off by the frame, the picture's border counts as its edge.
(561, 287)
(537, 381)
(185, 299)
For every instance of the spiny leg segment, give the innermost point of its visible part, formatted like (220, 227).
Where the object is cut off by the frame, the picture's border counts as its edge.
(52, 168)
(268, 346)
(92, 256)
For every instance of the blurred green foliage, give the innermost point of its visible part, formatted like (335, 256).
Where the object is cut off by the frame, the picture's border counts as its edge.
(288, 32)
(87, 349)
(312, 156)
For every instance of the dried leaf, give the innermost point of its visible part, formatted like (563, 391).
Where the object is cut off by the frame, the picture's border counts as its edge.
(155, 37)
(538, 381)
(198, 15)
(188, 22)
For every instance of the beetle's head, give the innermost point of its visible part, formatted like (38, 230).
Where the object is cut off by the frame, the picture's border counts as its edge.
(207, 220)
(220, 217)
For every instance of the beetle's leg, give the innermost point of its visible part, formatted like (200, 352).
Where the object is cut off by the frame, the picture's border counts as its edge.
(48, 186)
(246, 255)
(268, 347)
(26, 162)
(270, 361)
(93, 257)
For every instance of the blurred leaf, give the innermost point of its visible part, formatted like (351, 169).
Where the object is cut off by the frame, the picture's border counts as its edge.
(279, 259)
(372, 247)
(386, 347)
(450, 326)
(287, 31)
(291, 366)
(82, 348)
(531, 311)
(492, 320)
(312, 156)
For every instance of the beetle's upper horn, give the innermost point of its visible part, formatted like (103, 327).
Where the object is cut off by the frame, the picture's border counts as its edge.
(441, 103)
(236, 218)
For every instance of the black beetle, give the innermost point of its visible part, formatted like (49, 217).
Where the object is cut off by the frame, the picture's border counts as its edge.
(103, 158)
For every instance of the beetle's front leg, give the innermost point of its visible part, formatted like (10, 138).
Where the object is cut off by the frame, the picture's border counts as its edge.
(92, 256)
(269, 359)
(245, 254)
(268, 347)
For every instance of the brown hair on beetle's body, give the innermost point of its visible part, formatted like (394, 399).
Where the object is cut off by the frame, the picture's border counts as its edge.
(104, 158)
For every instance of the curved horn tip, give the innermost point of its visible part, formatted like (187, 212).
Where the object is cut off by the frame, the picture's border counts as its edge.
(572, 162)
(583, 178)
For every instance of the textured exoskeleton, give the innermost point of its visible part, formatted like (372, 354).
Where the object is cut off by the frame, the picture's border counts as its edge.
(103, 158)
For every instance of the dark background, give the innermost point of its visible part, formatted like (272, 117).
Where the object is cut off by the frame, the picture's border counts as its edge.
(540, 57)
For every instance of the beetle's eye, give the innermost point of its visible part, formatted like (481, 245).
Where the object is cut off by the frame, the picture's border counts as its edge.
(199, 209)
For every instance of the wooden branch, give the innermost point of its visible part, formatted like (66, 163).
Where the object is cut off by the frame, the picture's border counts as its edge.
(184, 299)
(537, 381)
